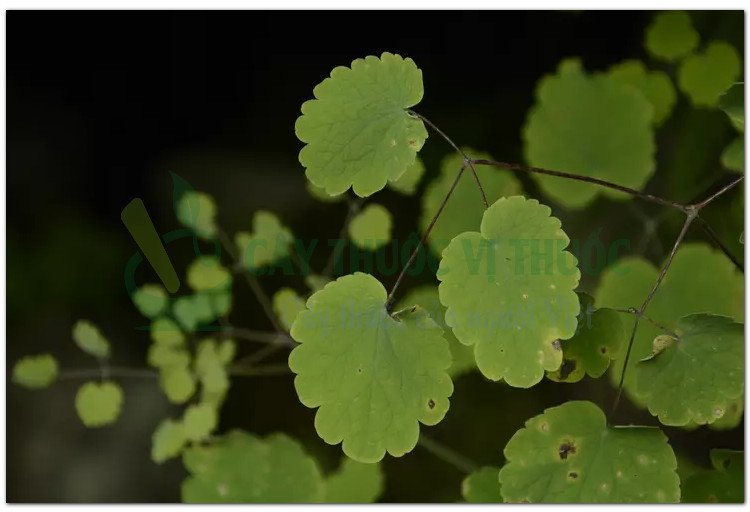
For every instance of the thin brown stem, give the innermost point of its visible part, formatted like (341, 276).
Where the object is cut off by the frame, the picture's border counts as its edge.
(269, 337)
(446, 454)
(423, 240)
(706, 227)
(587, 179)
(662, 327)
(468, 161)
(718, 193)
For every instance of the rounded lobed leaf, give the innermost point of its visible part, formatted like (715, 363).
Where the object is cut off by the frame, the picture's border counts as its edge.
(207, 274)
(321, 195)
(732, 102)
(211, 362)
(671, 35)
(696, 378)
(177, 382)
(482, 486)
(242, 468)
(655, 86)
(167, 441)
(197, 211)
(268, 243)
(687, 288)
(287, 304)
(371, 228)
(509, 291)
(568, 454)
(373, 376)
(357, 131)
(703, 77)
(592, 126)
(463, 212)
(36, 372)
(733, 415)
(354, 482)
(89, 339)
(408, 182)
(428, 298)
(150, 299)
(199, 421)
(165, 332)
(733, 156)
(99, 404)
(598, 339)
(723, 484)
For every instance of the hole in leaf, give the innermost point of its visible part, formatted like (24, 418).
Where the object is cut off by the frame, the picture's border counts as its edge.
(566, 449)
(573, 475)
(567, 367)
(431, 403)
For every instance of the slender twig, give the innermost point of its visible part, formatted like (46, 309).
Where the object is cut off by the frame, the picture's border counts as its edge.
(662, 327)
(446, 454)
(716, 194)
(423, 240)
(467, 161)
(588, 179)
(718, 243)
(252, 281)
(269, 337)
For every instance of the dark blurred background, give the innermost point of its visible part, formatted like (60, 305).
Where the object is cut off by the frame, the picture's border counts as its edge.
(101, 106)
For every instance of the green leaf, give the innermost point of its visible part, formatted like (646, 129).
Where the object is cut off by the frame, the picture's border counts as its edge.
(732, 416)
(197, 211)
(592, 126)
(177, 382)
(161, 355)
(598, 339)
(150, 299)
(165, 332)
(206, 274)
(226, 351)
(193, 310)
(357, 131)
(482, 486)
(509, 291)
(428, 299)
(354, 482)
(703, 77)
(242, 468)
(671, 35)
(724, 484)
(269, 242)
(287, 304)
(371, 228)
(167, 441)
(210, 366)
(733, 156)
(99, 404)
(321, 195)
(732, 102)
(374, 377)
(199, 421)
(89, 339)
(316, 282)
(464, 210)
(36, 372)
(687, 288)
(408, 182)
(655, 86)
(568, 454)
(696, 378)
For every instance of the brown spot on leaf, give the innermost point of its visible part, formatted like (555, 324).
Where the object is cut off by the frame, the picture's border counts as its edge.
(566, 449)
(603, 350)
(557, 345)
(573, 475)
(431, 403)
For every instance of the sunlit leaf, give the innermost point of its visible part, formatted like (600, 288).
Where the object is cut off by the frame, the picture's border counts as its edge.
(482, 486)
(592, 126)
(269, 241)
(598, 339)
(35, 372)
(357, 131)
(320, 194)
(207, 274)
(354, 482)
(242, 468)
(165, 332)
(408, 182)
(286, 305)
(704, 77)
(89, 339)
(464, 210)
(671, 35)
(199, 421)
(150, 299)
(509, 291)
(568, 454)
(167, 441)
(695, 378)
(374, 377)
(371, 228)
(99, 404)
(177, 382)
(197, 211)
